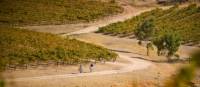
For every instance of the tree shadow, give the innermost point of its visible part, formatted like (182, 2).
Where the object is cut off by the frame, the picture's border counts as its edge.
(156, 61)
(120, 51)
(164, 61)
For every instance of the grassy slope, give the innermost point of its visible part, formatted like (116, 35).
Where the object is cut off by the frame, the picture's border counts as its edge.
(22, 12)
(182, 20)
(23, 47)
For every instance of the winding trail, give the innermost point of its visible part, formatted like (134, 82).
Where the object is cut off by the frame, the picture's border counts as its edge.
(132, 65)
(135, 64)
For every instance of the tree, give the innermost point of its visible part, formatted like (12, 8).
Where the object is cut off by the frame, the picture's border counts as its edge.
(173, 42)
(168, 44)
(149, 46)
(159, 43)
(146, 30)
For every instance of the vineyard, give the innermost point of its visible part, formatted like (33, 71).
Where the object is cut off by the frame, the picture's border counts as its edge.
(35, 12)
(184, 21)
(21, 48)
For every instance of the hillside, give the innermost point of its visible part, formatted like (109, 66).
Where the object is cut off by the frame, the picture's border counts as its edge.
(19, 47)
(37, 12)
(185, 21)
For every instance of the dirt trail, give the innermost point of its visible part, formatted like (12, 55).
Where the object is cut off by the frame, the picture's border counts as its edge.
(135, 64)
(129, 11)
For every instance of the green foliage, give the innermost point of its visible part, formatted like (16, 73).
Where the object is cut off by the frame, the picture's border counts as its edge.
(159, 43)
(146, 30)
(184, 77)
(186, 74)
(184, 21)
(172, 42)
(31, 12)
(169, 42)
(196, 58)
(19, 47)
(2, 84)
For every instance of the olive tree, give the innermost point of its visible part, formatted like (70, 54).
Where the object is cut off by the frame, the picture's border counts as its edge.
(168, 44)
(146, 30)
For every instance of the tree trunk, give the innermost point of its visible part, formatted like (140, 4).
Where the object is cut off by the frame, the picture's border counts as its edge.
(140, 42)
(169, 58)
(147, 51)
